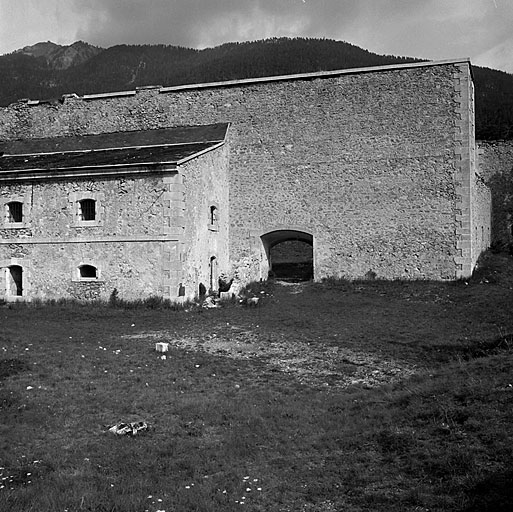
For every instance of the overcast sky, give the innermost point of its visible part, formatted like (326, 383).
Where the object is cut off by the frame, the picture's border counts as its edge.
(432, 29)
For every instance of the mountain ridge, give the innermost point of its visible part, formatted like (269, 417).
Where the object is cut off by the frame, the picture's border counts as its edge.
(46, 70)
(61, 57)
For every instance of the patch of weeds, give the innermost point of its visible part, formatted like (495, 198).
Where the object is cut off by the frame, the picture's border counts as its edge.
(155, 302)
(337, 283)
(448, 463)
(480, 348)
(488, 348)
(393, 442)
(257, 288)
(493, 268)
(10, 367)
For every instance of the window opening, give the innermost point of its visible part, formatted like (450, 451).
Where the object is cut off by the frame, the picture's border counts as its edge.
(213, 215)
(88, 209)
(88, 272)
(15, 278)
(15, 211)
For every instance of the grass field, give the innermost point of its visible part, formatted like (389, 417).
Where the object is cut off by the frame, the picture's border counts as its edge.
(338, 396)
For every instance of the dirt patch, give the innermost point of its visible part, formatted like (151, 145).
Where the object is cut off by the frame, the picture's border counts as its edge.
(312, 364)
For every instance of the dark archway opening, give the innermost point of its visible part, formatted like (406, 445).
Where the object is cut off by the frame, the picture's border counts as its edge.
(15, 280)
(290, 255)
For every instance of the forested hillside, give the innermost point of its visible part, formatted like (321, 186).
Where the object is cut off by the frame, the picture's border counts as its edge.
(37, 75)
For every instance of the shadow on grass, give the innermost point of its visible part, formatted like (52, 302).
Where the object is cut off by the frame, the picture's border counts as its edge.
(9, 367)
(492, 494)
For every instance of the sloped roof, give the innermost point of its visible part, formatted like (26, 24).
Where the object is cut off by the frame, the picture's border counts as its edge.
(139, 138)
(94, 154)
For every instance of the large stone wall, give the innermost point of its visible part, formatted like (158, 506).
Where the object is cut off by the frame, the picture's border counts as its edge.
(496, 167)
(376, 165)
(205, 239)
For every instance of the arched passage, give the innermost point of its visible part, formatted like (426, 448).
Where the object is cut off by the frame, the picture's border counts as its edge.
(289, 254)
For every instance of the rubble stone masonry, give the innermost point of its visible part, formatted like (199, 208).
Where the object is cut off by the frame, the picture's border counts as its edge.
(377, 164)
(496, 168)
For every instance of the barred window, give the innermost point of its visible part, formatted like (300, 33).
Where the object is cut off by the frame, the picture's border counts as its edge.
(15, 211)
(87, 209)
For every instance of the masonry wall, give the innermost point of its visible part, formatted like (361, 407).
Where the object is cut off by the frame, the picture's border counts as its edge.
(205, 238)
(481, 218)
(127, 241)
(375, 165)
(496, 168)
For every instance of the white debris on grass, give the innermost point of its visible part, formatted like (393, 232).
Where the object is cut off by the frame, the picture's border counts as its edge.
(130, 429)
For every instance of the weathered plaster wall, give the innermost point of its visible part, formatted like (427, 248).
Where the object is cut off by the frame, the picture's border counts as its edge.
(376, 166)
(496, 167)
(126, 243)
(206, 185)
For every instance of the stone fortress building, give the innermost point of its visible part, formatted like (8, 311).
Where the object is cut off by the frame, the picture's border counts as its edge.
(159, 190)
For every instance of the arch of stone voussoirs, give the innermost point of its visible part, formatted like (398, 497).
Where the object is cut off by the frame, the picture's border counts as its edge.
(277, 236)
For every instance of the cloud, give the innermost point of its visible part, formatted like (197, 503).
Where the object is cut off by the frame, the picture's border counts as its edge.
(194, 23)
(498, 57)
(432, 29)
(26, 22)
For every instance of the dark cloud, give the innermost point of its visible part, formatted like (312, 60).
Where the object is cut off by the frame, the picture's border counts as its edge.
(426, 28)
(433, 29)
(188, 22)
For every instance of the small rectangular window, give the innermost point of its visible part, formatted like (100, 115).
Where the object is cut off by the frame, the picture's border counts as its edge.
(15, 212)
(213, 218)
(88, 209)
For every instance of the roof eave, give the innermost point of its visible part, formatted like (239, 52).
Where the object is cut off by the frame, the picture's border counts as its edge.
(199, 153)
(112, 170)
(89, 171)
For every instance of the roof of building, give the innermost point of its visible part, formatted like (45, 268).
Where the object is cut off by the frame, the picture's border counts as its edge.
(116, 140)
(95, 154)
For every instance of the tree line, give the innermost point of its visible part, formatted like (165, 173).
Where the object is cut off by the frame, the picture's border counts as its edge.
(125, 67)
